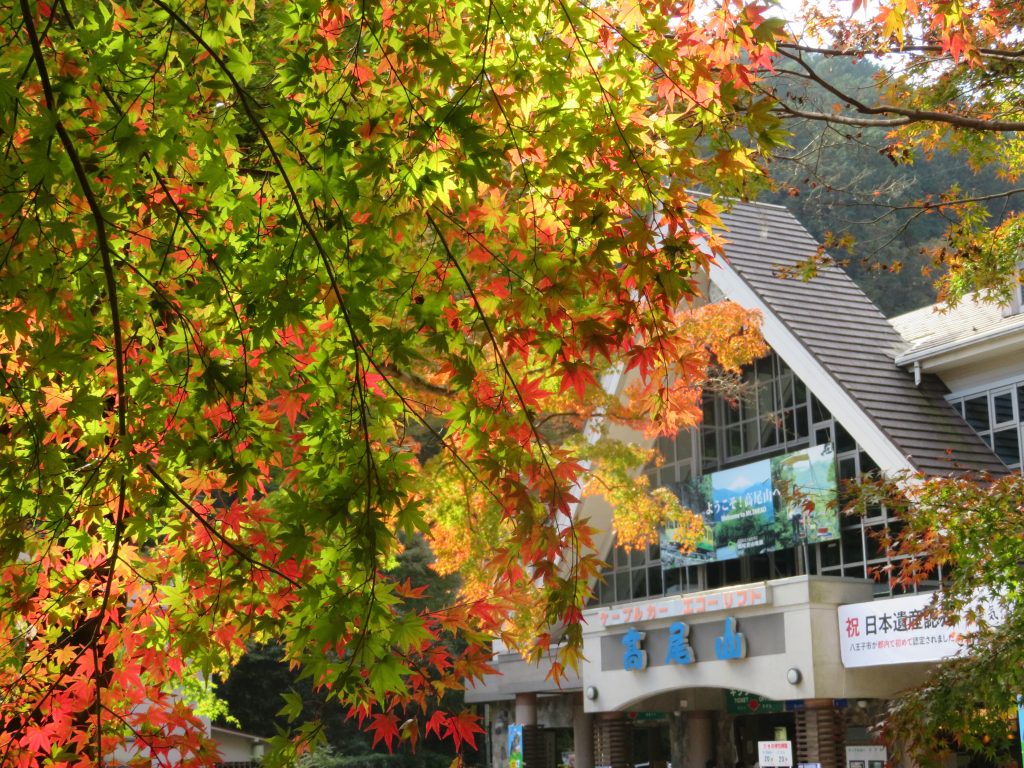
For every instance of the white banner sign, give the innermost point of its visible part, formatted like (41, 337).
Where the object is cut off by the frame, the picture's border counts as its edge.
(775, 754)
(727, 599)
(899, 630)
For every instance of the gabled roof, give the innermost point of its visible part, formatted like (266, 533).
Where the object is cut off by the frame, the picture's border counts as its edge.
(843, 348)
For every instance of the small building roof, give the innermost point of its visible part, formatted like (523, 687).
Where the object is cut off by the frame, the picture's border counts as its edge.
(850, 340)
(939, 328)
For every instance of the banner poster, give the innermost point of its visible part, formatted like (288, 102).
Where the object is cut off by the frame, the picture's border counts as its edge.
(515, 746)
(760, 507)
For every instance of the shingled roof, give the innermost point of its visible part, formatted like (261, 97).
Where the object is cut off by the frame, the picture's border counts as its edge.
(851, 340)
(939, 328)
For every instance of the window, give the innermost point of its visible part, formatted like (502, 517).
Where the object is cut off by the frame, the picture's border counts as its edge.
(776, 413)
(998, 417)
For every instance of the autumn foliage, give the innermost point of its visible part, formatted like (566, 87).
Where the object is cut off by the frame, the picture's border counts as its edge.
(259, 259)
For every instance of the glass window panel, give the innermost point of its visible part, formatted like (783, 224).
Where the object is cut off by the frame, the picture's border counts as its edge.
(848, 469)
(666, 447)
(637, 558)
(799, 391)
(1020, 402)
(1007, 446)
(788, 424)
(684, 445)
(786, 391)
(784, 563)
(769, 433)
(731, 413)
(667, 477)
(765, 398)
(752, 431)
(760, 568)
(803, 427)
(710, 416)
(854, 572)
(876, 550)
(853, 547)
(734, 441)
(867, 464)
(818, 410)
(673, 581)
(639, 579)
(654, 581)
(710, 445)
(621, 557)
(829, 553)
(976, 412)
(844, 441)
(823, 436)
(714, 575)
(764, 367)
(622, 590)
(1002, 407)
(653, 552)
(733, 571)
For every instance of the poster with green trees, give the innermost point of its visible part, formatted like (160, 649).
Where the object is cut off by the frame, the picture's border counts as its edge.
(761, 507)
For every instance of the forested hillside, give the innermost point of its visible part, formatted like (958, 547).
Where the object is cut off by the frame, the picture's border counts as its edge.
(835, 180)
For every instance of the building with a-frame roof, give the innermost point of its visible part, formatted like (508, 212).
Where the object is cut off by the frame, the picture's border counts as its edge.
(775, 630)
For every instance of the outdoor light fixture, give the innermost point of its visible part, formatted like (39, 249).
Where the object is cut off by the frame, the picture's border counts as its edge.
(793, 675)
(591, 692)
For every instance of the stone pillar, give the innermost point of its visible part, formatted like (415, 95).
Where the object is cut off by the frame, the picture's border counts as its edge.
(821, 734)
(526, 708)
(699, 742)
(677, 739)
(526, 716)
(582, 735)
(727, 754)
(613, 740)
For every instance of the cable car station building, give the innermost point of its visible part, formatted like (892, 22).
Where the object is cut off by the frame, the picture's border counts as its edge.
(775, 629)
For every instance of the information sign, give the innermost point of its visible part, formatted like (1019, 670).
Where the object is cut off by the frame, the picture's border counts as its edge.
(866, 756)
(743, 703)
(775, 754)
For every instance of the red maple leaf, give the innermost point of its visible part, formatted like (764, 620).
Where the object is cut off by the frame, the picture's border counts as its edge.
(576, 376)
(435, 722)
(384, 727)
(463, 727)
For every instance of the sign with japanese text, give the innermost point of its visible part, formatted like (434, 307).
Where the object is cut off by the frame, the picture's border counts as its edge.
(899, 630)
(729, 646)
(866, 756)
(775, 753)
(743, 703)
(760, 507)
(685, 605)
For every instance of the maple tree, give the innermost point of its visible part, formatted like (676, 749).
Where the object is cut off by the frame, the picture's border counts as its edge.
(258, 257)
(969, 527)
(948, 79)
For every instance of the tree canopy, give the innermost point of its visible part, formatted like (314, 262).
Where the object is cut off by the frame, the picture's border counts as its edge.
(285, 284)
(259, 256)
